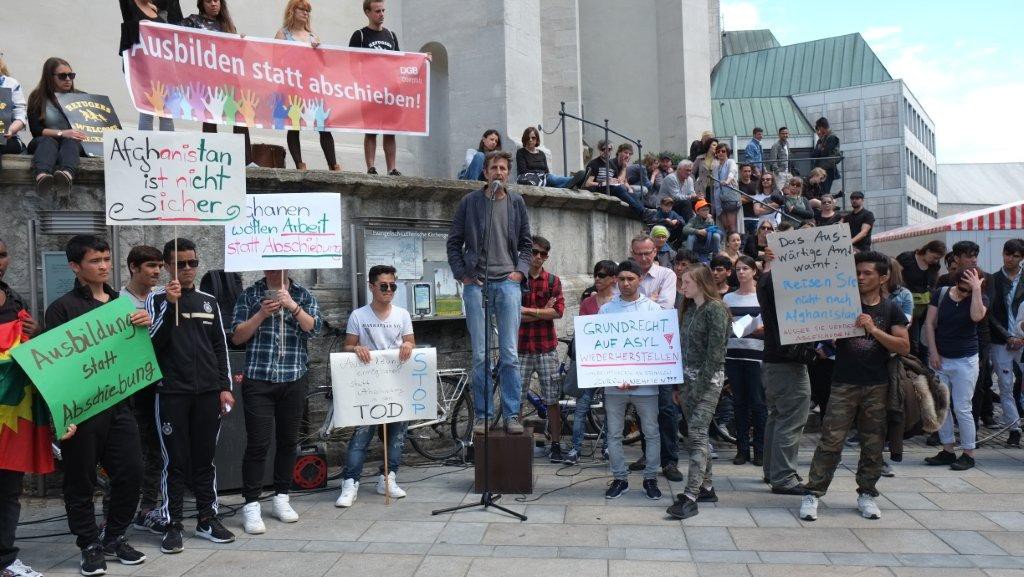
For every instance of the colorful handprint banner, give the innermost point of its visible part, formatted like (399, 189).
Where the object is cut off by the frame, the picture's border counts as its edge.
(173, 178)
(224, 79)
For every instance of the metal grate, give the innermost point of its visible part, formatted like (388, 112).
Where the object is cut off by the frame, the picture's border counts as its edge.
(72, 222)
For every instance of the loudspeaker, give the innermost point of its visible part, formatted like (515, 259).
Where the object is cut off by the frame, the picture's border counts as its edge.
(231, 443)
(510, 462)
(310, 468)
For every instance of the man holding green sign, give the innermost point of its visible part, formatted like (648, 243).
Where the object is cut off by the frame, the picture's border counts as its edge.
(92, 358)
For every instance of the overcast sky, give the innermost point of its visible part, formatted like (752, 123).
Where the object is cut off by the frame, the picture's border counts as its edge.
(959, 60)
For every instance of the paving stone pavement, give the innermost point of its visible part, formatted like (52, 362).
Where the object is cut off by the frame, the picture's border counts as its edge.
(936, 522)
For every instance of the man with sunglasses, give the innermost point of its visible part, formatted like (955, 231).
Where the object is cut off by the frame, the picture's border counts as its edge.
(542, 304)
(274, 318)
(378, 326)
(188, 337)
(608, 175)
(490, 240)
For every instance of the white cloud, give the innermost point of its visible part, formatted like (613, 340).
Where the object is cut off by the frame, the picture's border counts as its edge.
(877, 33)
(740, 15)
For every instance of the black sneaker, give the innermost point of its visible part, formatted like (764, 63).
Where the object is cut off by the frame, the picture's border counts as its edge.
(963, 463)
(683, 508)
(93, 561)
(555, 456)
(120, 550)
(741, 458)
(1014, 439)
(652, 490)
(151, 521)
(943, 458)
(212, 529)
(371, 170)
(394, 172)
(639, 464)
(172, 541)
(617, 488)
(707, 495)
(757, 461)
(671, 472)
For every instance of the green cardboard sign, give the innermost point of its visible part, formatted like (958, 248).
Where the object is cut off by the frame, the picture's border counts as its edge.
(90, 363)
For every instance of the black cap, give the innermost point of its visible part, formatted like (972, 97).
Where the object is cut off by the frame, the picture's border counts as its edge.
(856, 194)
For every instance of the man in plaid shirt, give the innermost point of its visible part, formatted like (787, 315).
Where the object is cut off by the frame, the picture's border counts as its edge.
(276, 317)
(542, 304)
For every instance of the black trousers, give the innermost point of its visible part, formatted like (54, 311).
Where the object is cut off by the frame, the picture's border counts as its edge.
(271, 408)
(111, 439)
(50, 154)
(189, 426)
(10, 511)
(981, 404)
(326, 143)
(210, 127)
(144, 405)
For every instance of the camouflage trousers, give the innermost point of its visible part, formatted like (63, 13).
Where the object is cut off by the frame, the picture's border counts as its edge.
(848, 405)
(699, 406)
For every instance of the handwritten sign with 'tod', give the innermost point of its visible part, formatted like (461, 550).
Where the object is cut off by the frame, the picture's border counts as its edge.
(384, 390)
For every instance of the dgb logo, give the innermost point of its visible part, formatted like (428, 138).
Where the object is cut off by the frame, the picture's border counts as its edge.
(409, 70)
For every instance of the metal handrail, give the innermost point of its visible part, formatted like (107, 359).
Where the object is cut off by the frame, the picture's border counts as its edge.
(754, 200)
(607, 130)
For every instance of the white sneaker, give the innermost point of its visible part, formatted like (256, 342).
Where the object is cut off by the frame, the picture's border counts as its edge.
(393, 487)
(252, 521)
(283, 510)
(809, 508)
(19, 569)
(349, 492)
(867, 507)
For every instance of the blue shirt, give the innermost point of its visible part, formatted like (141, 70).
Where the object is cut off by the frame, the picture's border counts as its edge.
(277, 351)
(755, 154)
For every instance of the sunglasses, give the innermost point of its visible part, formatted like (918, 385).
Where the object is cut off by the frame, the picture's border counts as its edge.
(602, 275)
(66, 75)
(542, 253)
(387, 287)
(183, 264)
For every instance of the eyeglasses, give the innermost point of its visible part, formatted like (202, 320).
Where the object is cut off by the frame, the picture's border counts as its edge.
(602, 275)
(66, 75)
(534, 138)
(387, 287)
(542, 253)
(183, 264)
(644, 253)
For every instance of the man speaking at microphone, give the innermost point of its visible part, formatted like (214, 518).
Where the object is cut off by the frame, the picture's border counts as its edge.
(490, 241)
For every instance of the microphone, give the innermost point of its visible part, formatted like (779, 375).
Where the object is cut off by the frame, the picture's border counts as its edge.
(493, 187)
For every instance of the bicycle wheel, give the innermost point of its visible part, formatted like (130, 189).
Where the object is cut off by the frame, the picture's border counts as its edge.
(437, 441)
(461, 422)
(631, 426)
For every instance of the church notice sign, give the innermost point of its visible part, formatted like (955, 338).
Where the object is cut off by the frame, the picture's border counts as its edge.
(90, 363)
(286, 231)
(384, 390)
(173, 178)
(637, 348)
(815, 282)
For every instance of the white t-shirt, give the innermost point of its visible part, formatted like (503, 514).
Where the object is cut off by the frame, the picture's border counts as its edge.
(376, 334)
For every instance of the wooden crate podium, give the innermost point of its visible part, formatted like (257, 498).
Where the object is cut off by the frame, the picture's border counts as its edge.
(510, 462)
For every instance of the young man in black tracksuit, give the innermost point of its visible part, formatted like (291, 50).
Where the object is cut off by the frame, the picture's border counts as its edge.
(110, 438)
(192, 397)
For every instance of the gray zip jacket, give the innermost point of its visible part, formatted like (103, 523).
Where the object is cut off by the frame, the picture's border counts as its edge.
(466, 237)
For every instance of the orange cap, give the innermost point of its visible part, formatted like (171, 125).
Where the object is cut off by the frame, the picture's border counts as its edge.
(701, 203)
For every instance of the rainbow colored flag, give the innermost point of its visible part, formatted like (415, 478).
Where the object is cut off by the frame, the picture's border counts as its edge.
(25, 432)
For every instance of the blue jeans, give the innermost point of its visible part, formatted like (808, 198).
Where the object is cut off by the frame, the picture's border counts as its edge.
(625, 194)
(579, 421)
(748, 404)
(615, 414)
(708, 245)
(356, 455)
(505, 299)
(959, 376)
(475, 168)
(668, 426)
(558, 181)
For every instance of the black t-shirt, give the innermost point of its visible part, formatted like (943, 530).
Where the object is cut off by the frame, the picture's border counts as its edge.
(863, 360)
(856, 220)
(527, 162)
(751, 189)
(826, 221)
(956, 335)
(601, 170)
(367, 37)
(915, 279)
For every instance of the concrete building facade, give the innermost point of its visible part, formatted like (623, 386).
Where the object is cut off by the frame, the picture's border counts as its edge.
(504, 64)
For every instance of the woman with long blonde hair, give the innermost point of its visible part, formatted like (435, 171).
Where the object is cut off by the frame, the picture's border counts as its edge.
(298, 28)
(706, 321)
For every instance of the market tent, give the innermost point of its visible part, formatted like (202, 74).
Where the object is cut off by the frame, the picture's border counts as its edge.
(1003, 217)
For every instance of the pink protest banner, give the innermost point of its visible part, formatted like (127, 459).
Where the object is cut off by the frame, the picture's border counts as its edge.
(224, 79)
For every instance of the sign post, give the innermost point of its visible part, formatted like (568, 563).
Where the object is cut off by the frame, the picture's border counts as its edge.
(90, 363)
(635, 348)
(815, 282)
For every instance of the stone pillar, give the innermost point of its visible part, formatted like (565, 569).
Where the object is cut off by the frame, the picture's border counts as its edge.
(560, 45)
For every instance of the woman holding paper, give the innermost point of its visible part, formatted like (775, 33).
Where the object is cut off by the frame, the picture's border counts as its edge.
(55, 146)
(706, 336)
(743, 363)
(297, 28)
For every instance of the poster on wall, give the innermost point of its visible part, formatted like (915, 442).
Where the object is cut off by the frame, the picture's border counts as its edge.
(286, 231)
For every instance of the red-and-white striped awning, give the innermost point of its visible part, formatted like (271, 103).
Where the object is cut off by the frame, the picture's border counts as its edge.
(1003, 217)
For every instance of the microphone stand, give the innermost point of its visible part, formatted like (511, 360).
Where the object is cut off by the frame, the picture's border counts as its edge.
(487, 499)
